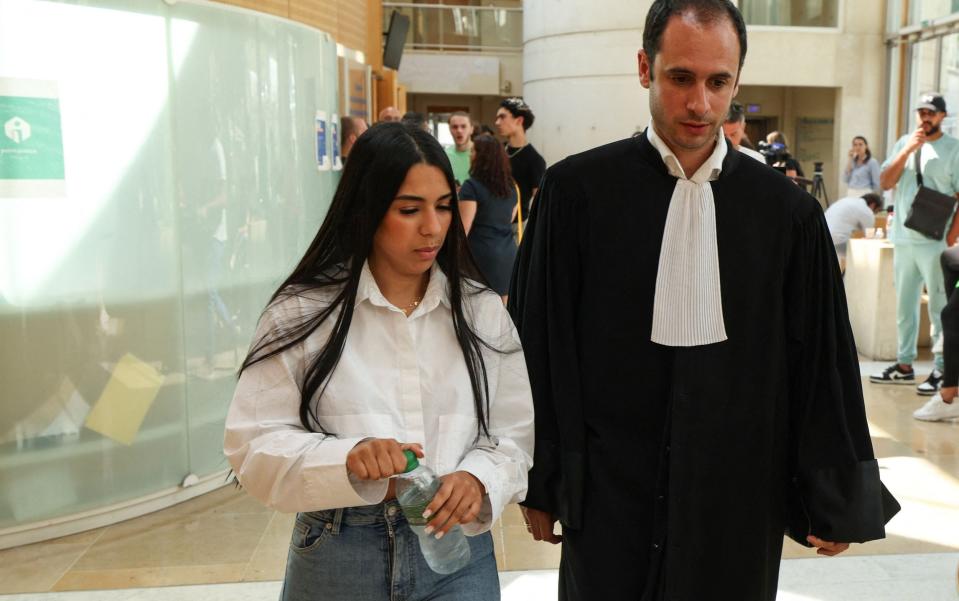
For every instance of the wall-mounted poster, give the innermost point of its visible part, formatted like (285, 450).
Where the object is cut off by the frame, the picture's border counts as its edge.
(322, 150)
(335, 140)
(814, 139)
(31, 140)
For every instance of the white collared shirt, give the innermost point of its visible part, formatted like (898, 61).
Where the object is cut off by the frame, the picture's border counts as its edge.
(752, 154)
(398, 377)
(688, 308)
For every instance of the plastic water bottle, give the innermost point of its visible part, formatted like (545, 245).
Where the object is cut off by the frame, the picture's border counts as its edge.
(415, 488)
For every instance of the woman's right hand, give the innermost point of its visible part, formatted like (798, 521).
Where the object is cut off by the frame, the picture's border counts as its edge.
(378, 458)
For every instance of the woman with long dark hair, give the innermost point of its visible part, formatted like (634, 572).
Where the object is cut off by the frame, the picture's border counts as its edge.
(488, 206)
(861, 174)
(382, 340)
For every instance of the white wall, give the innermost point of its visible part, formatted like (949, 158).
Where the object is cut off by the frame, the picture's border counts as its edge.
(472, 73)
(580, 72)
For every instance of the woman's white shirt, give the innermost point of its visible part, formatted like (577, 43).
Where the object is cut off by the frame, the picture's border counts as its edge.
(398, 377)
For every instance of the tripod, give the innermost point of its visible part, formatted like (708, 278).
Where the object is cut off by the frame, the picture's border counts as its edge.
(818, 187)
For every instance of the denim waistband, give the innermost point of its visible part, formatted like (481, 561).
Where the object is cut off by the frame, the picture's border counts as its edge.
(366, 515)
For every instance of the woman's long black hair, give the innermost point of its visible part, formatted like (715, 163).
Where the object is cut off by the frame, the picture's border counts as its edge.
(378, 164)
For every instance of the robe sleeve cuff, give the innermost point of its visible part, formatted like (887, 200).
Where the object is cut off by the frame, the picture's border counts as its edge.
(841, 504)
(543, 477)
(557, 488)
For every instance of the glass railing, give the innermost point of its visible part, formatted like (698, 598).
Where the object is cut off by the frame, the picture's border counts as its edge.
(791, 13)
(460, 27)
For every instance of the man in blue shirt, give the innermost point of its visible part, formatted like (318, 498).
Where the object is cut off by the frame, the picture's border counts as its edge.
(917, 257)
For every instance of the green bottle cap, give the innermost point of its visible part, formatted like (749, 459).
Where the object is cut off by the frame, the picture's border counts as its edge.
(411, 461)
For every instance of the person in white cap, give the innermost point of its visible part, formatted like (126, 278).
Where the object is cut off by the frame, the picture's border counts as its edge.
(917, 256)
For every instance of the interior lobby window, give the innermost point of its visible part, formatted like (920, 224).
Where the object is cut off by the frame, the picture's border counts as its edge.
(949, 81)
(461, 27)
(790, 13)
(927, 10)
(894, 15)
(923, 72)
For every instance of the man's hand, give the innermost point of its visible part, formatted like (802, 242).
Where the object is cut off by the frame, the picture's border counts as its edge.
(540, 524)
(379, 458)
(825, 547)
(458, 501)
(917, 139)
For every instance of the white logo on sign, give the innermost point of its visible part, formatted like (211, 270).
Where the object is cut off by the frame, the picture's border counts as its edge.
(17, 130)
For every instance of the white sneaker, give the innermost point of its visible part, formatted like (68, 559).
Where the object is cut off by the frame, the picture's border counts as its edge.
(937, 410)
(937, 347)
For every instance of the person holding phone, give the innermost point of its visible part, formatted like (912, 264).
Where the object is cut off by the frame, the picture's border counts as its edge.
(862, 170)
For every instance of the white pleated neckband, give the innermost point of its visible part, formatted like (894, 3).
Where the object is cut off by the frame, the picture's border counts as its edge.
(688, 306)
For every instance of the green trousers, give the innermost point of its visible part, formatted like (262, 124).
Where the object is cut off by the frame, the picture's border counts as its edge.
(915, 265)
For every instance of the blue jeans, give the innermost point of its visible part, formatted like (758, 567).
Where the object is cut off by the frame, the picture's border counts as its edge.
(370, 554)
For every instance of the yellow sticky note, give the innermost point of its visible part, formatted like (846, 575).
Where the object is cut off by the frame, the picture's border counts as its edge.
(119, 412)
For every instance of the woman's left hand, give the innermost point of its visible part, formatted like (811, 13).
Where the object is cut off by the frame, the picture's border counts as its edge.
(458, 501)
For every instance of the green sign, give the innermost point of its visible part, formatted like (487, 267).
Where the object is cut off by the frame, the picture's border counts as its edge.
(31, 143)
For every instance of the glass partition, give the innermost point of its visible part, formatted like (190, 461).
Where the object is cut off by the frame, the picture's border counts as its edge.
(129, 290)
(790, 13)
(439, 27)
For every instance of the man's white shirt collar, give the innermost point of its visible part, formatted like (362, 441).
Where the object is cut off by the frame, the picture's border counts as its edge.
(708, 171)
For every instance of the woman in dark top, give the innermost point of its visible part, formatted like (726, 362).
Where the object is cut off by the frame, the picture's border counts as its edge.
(487, 206)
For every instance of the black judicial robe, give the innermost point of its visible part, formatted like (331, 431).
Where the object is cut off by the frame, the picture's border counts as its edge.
(675, 472)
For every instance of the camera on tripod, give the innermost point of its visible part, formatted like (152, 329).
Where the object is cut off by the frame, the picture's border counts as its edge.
(774, 152)
(818, 185)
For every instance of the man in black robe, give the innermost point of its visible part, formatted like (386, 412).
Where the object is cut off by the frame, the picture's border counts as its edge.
(696, 383)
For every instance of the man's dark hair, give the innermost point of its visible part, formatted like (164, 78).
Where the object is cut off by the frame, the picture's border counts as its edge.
(873, 200)
(416, 120)
(737, 113)
(706, 11)
(481, 129)
(348, 127)
(518, 108)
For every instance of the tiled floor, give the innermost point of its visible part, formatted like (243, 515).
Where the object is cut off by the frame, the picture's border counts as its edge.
(226, 537)
(926, 577)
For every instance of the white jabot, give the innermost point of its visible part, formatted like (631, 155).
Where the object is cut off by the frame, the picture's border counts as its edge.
(688, 307)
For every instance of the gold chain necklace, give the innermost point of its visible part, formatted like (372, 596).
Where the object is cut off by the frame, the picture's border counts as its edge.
(515, 152)
(412, 306)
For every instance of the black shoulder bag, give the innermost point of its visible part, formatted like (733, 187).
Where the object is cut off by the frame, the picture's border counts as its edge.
(930, 210)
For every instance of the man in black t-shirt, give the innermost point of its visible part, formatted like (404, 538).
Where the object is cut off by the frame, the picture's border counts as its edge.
(513, 118)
